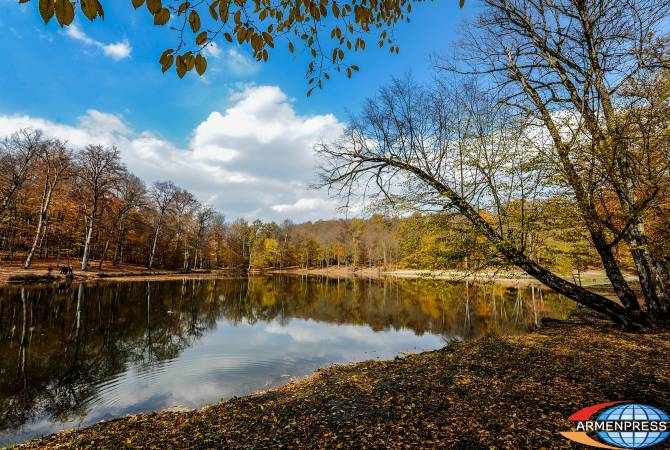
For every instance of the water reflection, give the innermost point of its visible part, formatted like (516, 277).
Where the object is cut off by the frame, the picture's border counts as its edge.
(73, 355)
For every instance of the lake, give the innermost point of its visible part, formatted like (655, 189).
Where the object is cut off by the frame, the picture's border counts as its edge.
(71, 355)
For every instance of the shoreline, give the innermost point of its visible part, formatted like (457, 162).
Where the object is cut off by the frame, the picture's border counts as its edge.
(590, 278)
(503, 392)
(14, 274)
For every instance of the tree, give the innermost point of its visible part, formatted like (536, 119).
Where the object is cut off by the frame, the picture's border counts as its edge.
(17, 152)
(203, 218)
(326, 30)
(162, 194)
(55, 162)
(183, 205)
(570, 66)
(401, 144)
(131, 194)
(99, 169)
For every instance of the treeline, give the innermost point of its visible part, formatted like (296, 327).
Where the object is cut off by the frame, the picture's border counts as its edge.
(69, 205)
(65, 204)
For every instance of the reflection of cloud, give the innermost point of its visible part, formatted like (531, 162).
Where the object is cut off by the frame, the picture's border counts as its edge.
(253, 159)
(308, 331)
(234, 360)
(115, 50)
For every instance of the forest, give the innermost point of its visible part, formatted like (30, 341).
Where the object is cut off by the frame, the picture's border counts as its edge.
(76, 205)
(73, 205)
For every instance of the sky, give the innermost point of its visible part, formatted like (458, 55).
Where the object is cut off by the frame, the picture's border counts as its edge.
(240, 137)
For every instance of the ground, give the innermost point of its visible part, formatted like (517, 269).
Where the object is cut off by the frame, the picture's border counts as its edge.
(511, 392)
(13, 272)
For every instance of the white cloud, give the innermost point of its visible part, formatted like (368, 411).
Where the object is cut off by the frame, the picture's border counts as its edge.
(117, 50)
(254, 159)
(301, 205)
(231, 61)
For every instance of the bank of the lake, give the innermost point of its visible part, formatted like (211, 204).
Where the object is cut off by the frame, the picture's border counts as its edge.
(12, 272)
(494, 392)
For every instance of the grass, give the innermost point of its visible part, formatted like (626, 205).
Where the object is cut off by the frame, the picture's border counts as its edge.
(513, 392)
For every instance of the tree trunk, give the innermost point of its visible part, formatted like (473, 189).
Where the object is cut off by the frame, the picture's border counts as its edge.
(654, 289)
(614, 311)
(153, 246)
(103, 255)
(118, 253)
(87, 245)
(46, 200)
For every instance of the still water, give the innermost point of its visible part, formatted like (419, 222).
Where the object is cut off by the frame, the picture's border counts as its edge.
(72, 355)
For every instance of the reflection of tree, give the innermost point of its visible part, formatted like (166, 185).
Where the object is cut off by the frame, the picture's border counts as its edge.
(58, 344)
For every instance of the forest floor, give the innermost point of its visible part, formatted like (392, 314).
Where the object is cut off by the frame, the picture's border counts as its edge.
(13, 272)
(495, 392)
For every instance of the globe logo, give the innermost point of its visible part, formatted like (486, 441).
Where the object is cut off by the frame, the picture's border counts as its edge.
(633, 412)
(619, 424)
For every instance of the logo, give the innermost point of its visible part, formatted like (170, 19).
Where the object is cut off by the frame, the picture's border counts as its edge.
(620, 424)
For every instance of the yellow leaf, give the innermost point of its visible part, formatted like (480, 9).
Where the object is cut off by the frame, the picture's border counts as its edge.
(88, 8)
(181, 66)
(268, 39)
(166, 62)
(46, 8)
(64, 12)
(194, 21)
(137, 3)
(201, 38)
(162, 17)
(212, 10)
(200, 64)
(154, 6)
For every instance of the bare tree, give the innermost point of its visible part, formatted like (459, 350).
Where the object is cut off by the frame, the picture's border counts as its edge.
(569, 64)
(55, 162)
(131, 194)
(203, 219)
(17, 153)
(98, 170)
(162, 194)
(408, 150)
(183, 205)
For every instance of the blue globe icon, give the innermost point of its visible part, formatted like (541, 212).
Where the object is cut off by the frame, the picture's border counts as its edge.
(633, 439)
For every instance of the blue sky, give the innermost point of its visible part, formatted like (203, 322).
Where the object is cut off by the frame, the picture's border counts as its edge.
(56, 76)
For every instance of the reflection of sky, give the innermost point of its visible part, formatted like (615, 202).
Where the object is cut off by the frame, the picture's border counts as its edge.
(236, 360)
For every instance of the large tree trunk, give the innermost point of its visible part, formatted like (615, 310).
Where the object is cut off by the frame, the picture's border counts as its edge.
(613, 310)
(650, 273)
